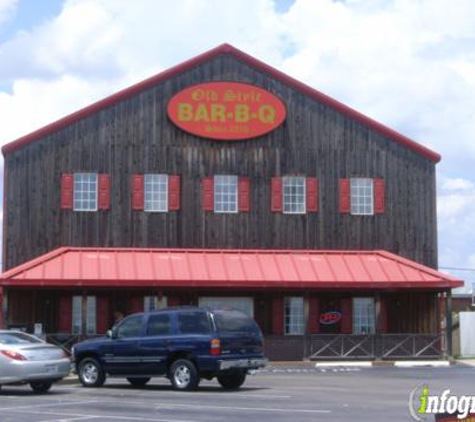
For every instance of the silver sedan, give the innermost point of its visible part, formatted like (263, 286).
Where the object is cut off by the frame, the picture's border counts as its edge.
(25, 359)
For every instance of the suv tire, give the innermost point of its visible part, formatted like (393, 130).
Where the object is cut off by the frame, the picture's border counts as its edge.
(183, 375)
(39, 387)
(232, 381)
(138, 382)
(91, 373)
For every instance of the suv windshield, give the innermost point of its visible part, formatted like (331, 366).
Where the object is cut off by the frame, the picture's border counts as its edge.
(233, 321)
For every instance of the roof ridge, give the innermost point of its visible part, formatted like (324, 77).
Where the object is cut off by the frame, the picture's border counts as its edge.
(190, 63)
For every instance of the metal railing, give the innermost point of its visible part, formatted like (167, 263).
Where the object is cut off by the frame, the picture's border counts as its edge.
(375, 346)
(67, 341)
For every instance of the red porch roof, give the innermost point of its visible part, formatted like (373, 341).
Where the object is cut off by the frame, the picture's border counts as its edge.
(249, 60)
(296, 269)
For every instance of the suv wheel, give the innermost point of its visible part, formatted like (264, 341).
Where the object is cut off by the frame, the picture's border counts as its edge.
(232, 380)
(183, 375)
(90, 373)
(138, 382)
(40, 386)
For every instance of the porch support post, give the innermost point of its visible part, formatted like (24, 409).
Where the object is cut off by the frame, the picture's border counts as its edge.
(84, 314)
(448, 324)
(306, 333)
(377, 344)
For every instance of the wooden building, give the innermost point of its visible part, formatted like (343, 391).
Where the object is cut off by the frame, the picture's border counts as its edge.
(225, 153)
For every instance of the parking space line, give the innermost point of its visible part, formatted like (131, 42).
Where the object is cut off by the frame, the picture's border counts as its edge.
(66, 417)
(146, 393)
(253, 409)
(52, 403)
(79, 418)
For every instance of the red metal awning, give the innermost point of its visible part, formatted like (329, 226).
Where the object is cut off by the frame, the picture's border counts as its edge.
(299, 269)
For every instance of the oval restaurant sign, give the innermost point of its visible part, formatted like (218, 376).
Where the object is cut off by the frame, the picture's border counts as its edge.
(226, 110)
(328, 318)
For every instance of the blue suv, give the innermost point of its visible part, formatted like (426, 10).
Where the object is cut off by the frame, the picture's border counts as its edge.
(184, 344)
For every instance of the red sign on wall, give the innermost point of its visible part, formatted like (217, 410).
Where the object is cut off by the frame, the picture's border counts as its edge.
(331, 317)
(226, 110)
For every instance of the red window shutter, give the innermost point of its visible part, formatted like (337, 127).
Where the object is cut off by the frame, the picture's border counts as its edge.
(314, 315)
(383, 316)
(278, 316)
(244, 189)
(346, 316)
(276, 194)
(174, 183)
(379, 196)
(173, 301)
(137, 192)
(65, 317)
(136, 304)
(104, 196)
(67, 186)
(207, 193)
(312, 194)
(102, 315)
(345, 196)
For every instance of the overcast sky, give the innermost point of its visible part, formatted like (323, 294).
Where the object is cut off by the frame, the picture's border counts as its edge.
(409, 64)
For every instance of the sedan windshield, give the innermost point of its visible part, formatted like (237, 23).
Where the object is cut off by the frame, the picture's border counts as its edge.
(18, 338)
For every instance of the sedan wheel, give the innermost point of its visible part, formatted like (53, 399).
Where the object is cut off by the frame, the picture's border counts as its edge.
(183, 375)
(40, 387)
(90, 373)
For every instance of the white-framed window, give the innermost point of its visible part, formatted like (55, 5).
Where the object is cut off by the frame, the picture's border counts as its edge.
(293, 195)
(364, 315)
(91, 315)
(85, 192)
(293, 316)
(151, 303)
(156, 192)
(77, 315)
(362, 196)
(226, 194)
(243, 304)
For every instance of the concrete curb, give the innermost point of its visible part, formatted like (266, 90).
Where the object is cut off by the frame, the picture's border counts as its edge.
(366, 364)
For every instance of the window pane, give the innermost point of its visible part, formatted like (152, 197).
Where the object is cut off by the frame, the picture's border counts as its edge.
(294, 195)
(232, 321)
(156, 192)
(130, 327)
(243, 304)
(77, 315)
(159, 325)
(225, 193)
(361, 196)
(193, 323)
(293, 316)
(91, 315)
(85, 192)
(364, 321)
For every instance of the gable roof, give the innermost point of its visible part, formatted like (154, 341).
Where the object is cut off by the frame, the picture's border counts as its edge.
(249, 60)
(225, 268)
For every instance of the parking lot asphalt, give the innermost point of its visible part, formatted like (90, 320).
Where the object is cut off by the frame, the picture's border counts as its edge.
(285, 393)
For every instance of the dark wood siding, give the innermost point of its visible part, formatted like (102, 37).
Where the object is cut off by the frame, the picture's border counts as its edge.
(136, 137)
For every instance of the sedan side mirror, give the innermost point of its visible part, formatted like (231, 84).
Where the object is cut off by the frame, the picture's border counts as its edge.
(110, 334)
